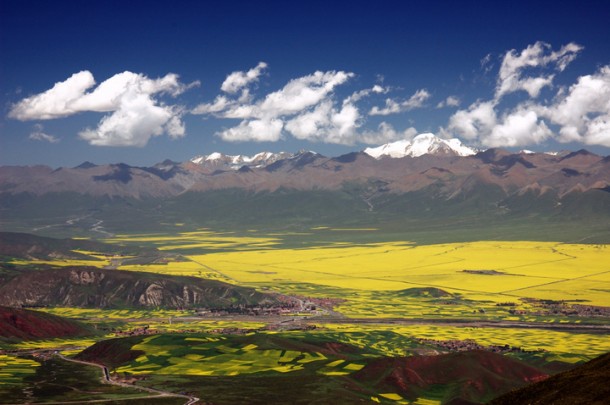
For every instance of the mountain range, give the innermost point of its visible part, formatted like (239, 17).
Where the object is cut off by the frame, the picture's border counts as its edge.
(401, 178)
(399, 167)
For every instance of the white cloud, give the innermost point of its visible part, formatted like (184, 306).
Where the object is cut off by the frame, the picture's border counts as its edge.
(311, 124)
(582, 113)
(220, 104)
(478, 119)
(265, 130)
(295, 97)
(39, 135)
(517, 129)
(598, 131)
(304, 107)
(135, 115)
(451, 101)
(394, 107)
(302, 93)
(327, 124)
(480, 123)
(386, 133)
(56, 102)
(238, 80)
(538, 55)
(360, 94)
(133, 124)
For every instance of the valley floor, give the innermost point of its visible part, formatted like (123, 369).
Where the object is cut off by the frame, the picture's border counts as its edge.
(355, 319)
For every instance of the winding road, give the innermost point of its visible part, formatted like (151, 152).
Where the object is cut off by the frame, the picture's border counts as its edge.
(107, 380)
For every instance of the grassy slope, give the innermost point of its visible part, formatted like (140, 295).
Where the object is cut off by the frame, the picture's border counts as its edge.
(482, 213)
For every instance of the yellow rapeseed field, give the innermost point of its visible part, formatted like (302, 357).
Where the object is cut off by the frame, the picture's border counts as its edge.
(495, 271)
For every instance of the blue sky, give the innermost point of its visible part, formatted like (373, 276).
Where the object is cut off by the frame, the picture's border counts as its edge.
(142, 81)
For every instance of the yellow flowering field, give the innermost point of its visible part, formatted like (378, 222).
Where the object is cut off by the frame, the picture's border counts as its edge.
(13, 369)
(487, 270)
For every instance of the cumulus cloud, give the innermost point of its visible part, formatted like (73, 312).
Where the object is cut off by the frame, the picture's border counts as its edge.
(304, 108)
(38, 134)
(307, 108)
(519, 128)
(583, 113)
(238, 80)
(386, 133)
(392, 106)
(539, 55)
(296, 96)
(134, 114)
(479, 118)
(56, 102)
(327, 124)
(301, 93)
(261, 130)
(580, 113)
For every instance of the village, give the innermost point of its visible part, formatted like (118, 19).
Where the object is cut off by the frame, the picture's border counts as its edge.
(470, 344)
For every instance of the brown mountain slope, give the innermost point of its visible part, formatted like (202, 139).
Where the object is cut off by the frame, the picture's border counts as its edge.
(586, 384)
(26, 325)
(465, 377)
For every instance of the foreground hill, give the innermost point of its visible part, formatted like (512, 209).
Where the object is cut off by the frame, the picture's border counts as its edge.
(24, 324)
(91, 287)
(586, 384)
(464, 377)
(317, 370)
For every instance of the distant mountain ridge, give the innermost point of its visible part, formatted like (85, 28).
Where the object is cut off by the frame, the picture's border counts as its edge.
(414, 165)
(423, 144)
(445, 180)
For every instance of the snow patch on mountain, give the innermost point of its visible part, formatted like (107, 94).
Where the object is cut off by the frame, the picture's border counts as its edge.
(235, 162)
(423, 144)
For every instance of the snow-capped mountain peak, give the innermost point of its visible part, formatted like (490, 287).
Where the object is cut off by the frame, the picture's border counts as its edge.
(235, 162)
(214, 156)
(422, 144)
